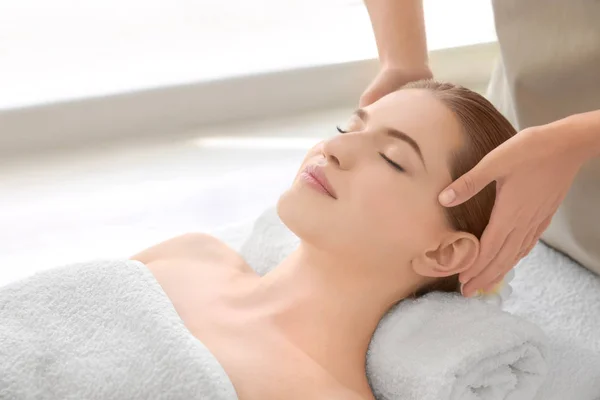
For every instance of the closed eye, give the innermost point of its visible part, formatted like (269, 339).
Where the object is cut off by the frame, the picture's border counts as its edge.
(340, 130)
(392, 163)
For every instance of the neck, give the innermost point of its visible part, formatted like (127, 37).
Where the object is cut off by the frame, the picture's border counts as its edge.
(328, 307)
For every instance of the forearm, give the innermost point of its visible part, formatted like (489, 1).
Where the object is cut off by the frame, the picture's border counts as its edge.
(399, 29)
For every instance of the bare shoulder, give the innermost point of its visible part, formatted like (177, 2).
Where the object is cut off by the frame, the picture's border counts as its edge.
(193, 247)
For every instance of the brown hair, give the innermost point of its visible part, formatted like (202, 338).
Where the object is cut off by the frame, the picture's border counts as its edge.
(485, 128)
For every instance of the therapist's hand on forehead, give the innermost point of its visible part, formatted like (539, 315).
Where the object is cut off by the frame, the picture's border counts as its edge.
(533, 170)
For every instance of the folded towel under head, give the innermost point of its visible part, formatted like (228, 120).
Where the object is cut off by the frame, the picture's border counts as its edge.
(439, 347)
(444, 346)
(563, 298)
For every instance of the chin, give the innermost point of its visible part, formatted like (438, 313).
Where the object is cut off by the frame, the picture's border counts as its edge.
(307, 215)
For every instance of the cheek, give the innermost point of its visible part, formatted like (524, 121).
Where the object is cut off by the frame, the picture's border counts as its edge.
(396, 211)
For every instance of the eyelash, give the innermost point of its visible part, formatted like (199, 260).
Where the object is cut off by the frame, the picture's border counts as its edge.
(393, 164)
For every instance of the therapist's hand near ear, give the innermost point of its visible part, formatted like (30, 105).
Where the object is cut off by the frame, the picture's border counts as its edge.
(533, 172)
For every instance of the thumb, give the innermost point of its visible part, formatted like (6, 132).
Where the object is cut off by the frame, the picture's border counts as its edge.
(370, 96)
(465, 187)
(365, 100)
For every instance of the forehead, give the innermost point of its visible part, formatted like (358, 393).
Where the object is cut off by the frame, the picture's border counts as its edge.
(419, 114)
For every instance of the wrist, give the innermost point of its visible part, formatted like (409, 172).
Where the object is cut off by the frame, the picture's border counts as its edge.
(414, 72)
(583, 133)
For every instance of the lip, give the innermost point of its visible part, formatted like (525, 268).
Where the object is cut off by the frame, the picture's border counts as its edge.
(315, 175)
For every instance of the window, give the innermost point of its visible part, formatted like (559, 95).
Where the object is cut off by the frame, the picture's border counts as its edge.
(65, 49)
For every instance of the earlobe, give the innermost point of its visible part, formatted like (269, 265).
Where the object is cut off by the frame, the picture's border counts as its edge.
(454, 255)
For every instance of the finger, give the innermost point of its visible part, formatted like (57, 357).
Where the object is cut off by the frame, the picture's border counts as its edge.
(490, 247)
(502, 262)
(468, 185)
(536, 236)
(528, 243)
(494, 283)
(507, 267)
(492, 240)
(493, 279)
(368, 98)
(378, 89)
(543, 226)
(526, 252)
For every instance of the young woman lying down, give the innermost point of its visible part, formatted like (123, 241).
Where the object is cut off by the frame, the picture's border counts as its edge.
(364, 205)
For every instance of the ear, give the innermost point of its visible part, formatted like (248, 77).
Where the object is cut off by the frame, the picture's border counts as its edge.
(455, 254)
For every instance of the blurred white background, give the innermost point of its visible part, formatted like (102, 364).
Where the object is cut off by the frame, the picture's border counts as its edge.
(111, 200)
(64, 49)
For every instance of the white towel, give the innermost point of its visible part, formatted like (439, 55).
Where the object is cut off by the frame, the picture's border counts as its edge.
(563, 299)
(444, 346)
(439, 347)
(101, 330)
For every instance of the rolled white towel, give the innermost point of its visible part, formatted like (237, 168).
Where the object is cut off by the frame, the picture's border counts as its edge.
(563, 299)
(439, 347)
(444, 346)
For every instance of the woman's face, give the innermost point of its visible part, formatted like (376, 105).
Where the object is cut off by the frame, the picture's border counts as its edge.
(381, 181)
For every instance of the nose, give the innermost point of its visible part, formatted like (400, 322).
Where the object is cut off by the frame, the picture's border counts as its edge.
(342, 150)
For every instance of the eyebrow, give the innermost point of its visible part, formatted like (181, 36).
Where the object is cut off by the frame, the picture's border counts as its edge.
(362, 114)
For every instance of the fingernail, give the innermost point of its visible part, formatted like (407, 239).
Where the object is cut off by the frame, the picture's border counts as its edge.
(463, 292)
(469, 293)
(463, 279)
(447, 197)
